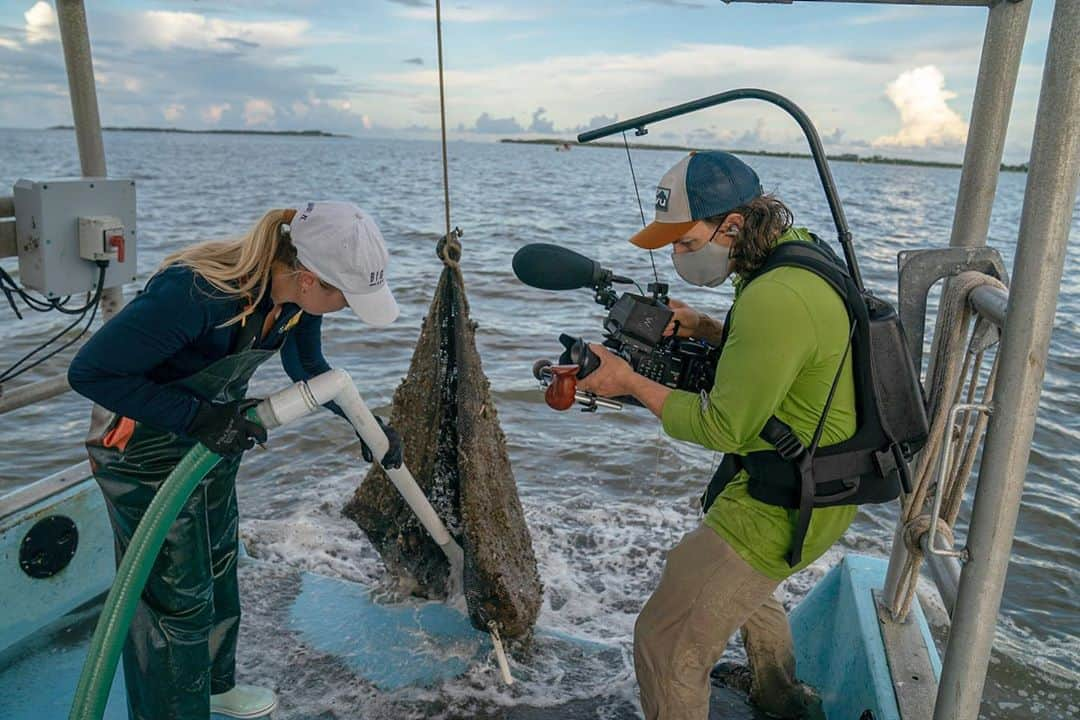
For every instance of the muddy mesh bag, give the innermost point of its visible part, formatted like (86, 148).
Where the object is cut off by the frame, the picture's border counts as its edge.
(457, 453)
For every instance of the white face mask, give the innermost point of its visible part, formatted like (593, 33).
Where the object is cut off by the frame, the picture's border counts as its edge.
(708, 266)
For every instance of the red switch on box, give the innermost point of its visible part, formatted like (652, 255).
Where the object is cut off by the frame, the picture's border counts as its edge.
(116, 240)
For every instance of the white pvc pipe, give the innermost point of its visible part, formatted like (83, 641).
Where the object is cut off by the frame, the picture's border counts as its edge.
(500, 654)
(302, 398)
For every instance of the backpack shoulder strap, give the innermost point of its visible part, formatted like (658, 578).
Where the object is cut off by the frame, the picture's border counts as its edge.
(818, 258)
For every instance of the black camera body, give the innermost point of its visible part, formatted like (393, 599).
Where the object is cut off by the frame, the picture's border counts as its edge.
(634, 330)
(634, 326)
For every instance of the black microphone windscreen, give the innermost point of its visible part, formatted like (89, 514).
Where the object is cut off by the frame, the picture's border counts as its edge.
(551, 267)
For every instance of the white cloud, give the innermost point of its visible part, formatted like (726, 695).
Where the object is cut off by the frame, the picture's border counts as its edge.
(300, 109)
(114, 80)
(366, 122)
(173, 112)
(168, 29)
(41, 25)
(211, 114)
(8, 43)
(627, 84)
(258, 112)
(925, 116)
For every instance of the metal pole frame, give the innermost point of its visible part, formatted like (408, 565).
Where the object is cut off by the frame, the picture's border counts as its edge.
(999, 66)
(1003, 44)
(1049, 199)
(75, 38)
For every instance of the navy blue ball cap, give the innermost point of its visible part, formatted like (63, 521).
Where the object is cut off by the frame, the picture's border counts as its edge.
(700, 186)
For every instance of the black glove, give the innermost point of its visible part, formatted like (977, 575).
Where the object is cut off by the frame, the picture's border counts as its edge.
(393, 457)
(224, 429)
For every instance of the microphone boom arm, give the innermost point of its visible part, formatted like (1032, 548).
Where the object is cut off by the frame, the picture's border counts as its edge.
(812, 138)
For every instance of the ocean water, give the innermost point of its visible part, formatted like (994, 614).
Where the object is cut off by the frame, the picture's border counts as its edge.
(605, 494)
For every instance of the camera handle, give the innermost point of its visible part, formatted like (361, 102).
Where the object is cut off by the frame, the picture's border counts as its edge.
(560, 383)
(659, 291)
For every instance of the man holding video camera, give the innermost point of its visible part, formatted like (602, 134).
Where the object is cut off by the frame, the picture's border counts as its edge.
(784, 346)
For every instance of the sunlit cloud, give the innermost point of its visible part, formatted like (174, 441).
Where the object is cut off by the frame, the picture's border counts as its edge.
(625, 84)
(258, 112)
(41, 25)
(173, 112)
(169, 29)
(925, 116)
(212, 113)
(297, 65)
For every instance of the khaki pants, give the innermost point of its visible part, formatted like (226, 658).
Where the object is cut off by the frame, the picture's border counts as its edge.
(706, 592)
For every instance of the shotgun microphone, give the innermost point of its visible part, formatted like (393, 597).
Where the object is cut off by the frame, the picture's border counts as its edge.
(552, 267)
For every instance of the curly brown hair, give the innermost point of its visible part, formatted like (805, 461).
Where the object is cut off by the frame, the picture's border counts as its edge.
(766, 218)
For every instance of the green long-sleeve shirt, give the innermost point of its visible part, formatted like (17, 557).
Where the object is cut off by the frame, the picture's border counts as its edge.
(788, 333)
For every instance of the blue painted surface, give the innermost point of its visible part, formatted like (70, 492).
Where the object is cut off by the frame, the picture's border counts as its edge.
(838, 644)
(29, 604)
(40, 685)
(393, 646)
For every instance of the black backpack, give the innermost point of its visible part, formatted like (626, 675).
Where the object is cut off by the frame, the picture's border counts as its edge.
(891, 424)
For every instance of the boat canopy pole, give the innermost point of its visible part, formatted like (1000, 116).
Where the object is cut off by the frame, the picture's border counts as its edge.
(639, 124)
(75, 37)
(1049, 201)
(1003, 44)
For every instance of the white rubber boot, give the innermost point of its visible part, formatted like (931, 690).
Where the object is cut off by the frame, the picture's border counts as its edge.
(244, 701)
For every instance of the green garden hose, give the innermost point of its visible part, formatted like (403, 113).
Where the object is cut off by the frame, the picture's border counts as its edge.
(95, 682)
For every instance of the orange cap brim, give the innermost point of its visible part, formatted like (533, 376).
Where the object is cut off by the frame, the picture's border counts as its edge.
(658, 234)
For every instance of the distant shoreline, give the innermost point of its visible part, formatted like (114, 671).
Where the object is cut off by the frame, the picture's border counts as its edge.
(303, 133)
(845, 157)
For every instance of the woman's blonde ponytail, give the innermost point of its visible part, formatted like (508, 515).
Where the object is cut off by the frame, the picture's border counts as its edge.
(241, 267)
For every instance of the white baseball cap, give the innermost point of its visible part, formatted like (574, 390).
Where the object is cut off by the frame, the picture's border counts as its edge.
(342, 245)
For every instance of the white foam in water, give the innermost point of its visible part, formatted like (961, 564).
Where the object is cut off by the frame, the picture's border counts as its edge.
(599, 559)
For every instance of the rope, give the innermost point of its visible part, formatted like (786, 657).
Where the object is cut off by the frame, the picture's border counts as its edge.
(442, 116)
(956, 368)
(449, 248)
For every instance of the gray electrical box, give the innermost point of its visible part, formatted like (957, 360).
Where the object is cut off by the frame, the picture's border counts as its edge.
(63, 226)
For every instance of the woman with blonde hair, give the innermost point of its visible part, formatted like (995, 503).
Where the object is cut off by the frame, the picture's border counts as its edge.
(171, 370)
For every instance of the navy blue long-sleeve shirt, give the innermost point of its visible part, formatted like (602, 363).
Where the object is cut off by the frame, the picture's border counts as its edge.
(171, 330)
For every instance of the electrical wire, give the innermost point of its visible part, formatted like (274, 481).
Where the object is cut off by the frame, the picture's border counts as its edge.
(11, 288)
(61, 305)
(91, 306)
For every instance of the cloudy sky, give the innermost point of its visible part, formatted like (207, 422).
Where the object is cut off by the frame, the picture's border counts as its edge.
(895, 80)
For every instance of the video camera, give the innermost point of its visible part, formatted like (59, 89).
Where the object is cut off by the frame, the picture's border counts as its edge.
(633, 328)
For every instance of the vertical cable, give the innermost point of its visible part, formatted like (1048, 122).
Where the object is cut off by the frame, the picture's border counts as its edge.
(637, 194)
(442, 116)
